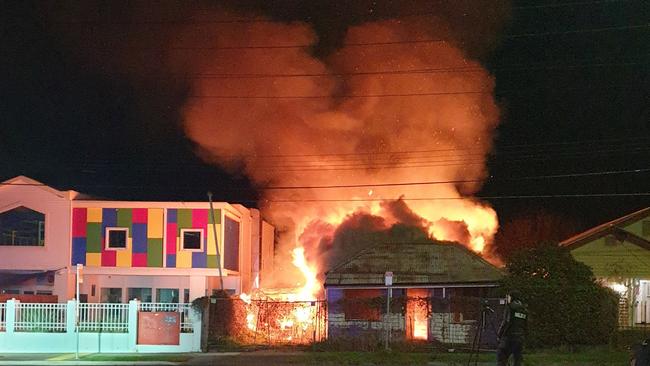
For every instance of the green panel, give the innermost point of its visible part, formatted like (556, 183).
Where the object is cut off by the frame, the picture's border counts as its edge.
(212, 261)
(635, 228)
(125, 219)
(184, 218)
(154, 253)
(217, 217)
(94, 237)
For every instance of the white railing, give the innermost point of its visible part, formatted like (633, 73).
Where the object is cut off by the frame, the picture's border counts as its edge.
(3, 316)
(184, 309)
(40, 317)
(112, 318)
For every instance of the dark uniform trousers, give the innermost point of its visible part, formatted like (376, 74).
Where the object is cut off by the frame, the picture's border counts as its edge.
(509, 345)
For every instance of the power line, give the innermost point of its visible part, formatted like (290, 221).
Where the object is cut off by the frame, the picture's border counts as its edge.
(505, 197)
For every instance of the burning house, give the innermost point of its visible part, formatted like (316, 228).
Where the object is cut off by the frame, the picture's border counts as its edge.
(435, 292)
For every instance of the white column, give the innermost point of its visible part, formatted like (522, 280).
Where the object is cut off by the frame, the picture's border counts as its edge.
(134, 307)
(70, 316)
(10, 315)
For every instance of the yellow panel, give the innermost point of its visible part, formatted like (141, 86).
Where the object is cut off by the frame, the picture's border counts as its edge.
(123, 258)
(94, 214)
(93, 259)
(212, 247)
(155, 223)
(184, 259)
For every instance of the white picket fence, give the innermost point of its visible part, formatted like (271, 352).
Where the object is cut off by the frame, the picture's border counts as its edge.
(33, 327)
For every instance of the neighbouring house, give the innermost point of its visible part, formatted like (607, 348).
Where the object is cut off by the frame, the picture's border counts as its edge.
(618, 253)
(152, 251)
(436, 288)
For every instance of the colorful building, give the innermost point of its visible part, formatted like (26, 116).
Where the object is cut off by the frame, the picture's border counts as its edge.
(618, 253)
(153, 251)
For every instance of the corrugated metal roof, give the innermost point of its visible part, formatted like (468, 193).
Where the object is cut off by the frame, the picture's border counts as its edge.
(414, 263)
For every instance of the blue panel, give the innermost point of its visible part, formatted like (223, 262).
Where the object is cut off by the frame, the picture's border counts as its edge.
(139, 238)
(171, 215)
(231, 245)
(109, 219)
(171, 260)
(78, 251)
(334, 297)
(199, 260)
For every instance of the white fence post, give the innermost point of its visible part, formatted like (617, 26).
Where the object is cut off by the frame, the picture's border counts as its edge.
(10, 315)
(70, 317)
(134, 307)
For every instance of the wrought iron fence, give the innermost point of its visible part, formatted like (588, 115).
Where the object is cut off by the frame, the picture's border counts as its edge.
(185, 311)
(113, 318)
(40, 317)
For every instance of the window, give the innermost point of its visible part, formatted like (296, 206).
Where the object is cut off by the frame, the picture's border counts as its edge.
(111, 295)
(141, 293)
(192, 239)
(363, 304)
(44, 292)
(167, 295)
(22, 227)
(116, 237)
(26, 292)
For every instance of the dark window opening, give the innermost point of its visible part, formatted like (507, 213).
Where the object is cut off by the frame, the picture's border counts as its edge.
(192, 239)
(22, 226)
(117, 238)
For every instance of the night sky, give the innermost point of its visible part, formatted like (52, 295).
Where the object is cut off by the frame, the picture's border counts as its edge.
(572, 82)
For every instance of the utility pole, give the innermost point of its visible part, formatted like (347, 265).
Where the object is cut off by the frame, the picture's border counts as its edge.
(388, 280)
(216, 241)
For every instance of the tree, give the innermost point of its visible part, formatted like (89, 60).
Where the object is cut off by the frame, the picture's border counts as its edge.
(567, 305)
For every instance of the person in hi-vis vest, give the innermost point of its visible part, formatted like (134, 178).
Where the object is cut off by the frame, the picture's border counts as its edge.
(512, 331)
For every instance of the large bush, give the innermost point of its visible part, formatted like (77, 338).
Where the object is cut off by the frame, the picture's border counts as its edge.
(567, 306)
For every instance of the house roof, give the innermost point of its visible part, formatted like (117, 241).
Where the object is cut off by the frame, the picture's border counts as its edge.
(22, 180)
(432, 263)
(613, 227)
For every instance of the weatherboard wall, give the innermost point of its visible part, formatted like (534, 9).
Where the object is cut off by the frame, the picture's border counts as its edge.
(153, 237)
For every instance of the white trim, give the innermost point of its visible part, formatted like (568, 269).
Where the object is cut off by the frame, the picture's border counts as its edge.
(202, 237)
(106, 238)
(156, 271)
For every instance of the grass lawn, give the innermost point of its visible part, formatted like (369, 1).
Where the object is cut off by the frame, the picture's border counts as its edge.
(136, 357)
(586, 357)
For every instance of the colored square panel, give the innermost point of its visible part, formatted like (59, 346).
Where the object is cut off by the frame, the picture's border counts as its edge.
(198, 260)
(217, 217)
(78, 222)
(231, 245)
(140, 215)
(93, 259)
(139, 237)
(199, 218)
(211, 261)
(172, 214)
(109, 258)
(184, 219)
(155, 223)
(125, 218)
(78, 251)
(183, 259)
(109, 218)
(94, 236)
(212, 244)
(123, 258)
(171, 260)
(94, 214)
(154, 253)
(139, 259)
(172, 239)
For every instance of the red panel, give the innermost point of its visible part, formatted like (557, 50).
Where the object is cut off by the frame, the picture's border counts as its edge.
(199, 219)
(79, 216)
(139, 215)
(139, 259)
(171, 238)
(109, 258)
